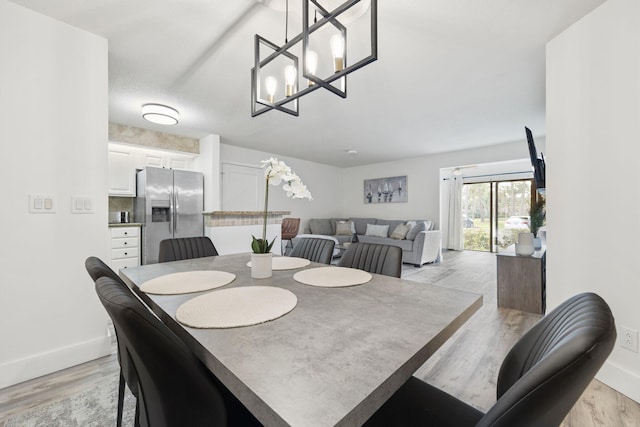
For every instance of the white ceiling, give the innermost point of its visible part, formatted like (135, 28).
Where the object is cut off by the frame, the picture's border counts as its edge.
(450, 75)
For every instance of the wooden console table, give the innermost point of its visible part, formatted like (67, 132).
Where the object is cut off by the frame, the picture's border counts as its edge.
(522, 280)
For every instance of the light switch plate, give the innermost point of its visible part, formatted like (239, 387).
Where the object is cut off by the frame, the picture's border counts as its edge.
(81, 205)
(42, 203)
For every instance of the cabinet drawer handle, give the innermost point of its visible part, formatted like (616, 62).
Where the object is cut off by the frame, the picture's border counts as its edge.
(125, 243)
(126, 232)
(126, 253)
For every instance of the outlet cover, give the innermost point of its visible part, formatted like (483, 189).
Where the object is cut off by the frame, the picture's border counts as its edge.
(629, 339)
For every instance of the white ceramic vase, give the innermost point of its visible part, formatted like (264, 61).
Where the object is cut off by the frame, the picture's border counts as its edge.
(525, 244)
(261, 265)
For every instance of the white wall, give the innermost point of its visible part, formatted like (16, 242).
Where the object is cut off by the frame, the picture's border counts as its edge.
(423, 180)
(593, 123)
(324, 182)
(53, 131)
(208, 162)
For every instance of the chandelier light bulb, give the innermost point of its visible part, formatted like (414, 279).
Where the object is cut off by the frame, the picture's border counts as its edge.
(312, 65)
(337, 49)
(290, 74)
(271, 84)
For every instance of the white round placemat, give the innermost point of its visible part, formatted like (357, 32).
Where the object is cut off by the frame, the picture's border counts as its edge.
(286, 263)
(332, 277)
(187, 282)
(235, 307)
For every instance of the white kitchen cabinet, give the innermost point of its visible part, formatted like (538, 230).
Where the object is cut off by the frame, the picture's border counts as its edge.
(125, 247)
(153, 159)
(129, 158)
(122, 173)
(180, 162)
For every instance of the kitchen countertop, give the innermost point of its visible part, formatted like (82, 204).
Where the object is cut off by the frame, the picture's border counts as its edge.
(125, 224)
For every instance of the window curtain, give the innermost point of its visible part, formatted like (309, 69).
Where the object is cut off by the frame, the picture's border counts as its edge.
(455, 239)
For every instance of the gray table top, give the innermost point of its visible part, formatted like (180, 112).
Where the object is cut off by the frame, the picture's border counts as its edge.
(333, 360)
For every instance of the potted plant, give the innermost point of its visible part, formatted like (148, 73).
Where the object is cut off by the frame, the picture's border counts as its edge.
(537, 216)
(276, 172)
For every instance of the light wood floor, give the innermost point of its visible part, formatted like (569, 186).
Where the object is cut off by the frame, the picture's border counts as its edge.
(466, 366)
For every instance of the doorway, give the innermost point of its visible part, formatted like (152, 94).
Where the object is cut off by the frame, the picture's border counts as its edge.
(242, 187)
(494, 212)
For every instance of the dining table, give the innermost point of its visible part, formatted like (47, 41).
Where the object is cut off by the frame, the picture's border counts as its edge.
(331, 360)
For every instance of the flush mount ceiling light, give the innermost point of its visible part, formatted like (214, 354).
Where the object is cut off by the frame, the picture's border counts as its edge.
(323, 66)
(160, 114)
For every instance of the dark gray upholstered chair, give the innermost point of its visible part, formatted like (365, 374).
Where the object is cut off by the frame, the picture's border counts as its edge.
(289, 230)
(97, 269)
(540, 379)
(316, 250)
(380, 259)
(175, 388)
(186, 248)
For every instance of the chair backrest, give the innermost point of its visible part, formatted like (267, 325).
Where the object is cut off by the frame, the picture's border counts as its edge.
(186, 248)
(548, 369)
(97, 269)
(380, 259)
(290, 228)
(316, 250)
(175, 389)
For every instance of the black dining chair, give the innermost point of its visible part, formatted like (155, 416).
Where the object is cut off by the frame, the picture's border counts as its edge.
(186, 248)
(380, 259)
(313, 249)
(540, 380)
(175, 389)
(97, 269)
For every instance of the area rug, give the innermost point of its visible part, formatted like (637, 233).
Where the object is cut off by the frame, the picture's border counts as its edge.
(96, 407)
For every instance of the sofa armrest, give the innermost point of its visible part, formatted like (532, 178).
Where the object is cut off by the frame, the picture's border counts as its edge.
(428, 244)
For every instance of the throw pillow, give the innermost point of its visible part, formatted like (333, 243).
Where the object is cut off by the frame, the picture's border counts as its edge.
(320, 226)
(420, 226)
(377, 230)
(344, 228)
(400, 232)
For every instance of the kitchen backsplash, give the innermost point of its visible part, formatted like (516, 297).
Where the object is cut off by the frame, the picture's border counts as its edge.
(121, 204)
(149, 138)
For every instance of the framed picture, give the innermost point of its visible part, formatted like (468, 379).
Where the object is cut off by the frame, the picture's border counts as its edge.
(386, 190)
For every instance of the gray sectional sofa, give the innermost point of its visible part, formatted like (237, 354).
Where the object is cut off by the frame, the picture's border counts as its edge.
(421, 245)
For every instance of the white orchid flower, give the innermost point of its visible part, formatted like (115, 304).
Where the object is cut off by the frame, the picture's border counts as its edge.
(275, 172)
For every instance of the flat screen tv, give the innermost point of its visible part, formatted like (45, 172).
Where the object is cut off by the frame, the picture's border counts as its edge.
(537, 163)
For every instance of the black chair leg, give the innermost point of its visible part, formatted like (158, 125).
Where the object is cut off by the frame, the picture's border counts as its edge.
(136, 421)
(120, 400)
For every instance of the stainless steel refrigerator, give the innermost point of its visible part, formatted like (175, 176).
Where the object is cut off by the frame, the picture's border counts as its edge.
(169, 204)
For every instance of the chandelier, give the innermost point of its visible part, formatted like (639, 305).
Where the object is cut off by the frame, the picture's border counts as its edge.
(322, 46)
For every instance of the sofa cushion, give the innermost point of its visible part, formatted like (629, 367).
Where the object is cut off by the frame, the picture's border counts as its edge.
(361, 224)
(320, 226)
(392, 223)
(405, 245)
(377, 230)
(420, 226)
(400, 232)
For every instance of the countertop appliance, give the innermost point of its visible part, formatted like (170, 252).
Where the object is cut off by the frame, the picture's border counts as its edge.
(169, 204)
(119, 217)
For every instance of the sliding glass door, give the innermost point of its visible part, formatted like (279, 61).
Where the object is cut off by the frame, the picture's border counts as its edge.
(512, 205)
(494, 212)
(476, 216)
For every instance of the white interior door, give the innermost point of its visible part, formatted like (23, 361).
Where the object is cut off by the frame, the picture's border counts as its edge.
(242, 187)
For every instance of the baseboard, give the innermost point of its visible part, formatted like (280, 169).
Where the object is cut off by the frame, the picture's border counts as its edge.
(621, 380)
(17, 371)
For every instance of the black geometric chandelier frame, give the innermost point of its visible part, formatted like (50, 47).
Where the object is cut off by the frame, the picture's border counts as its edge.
(289, 104)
